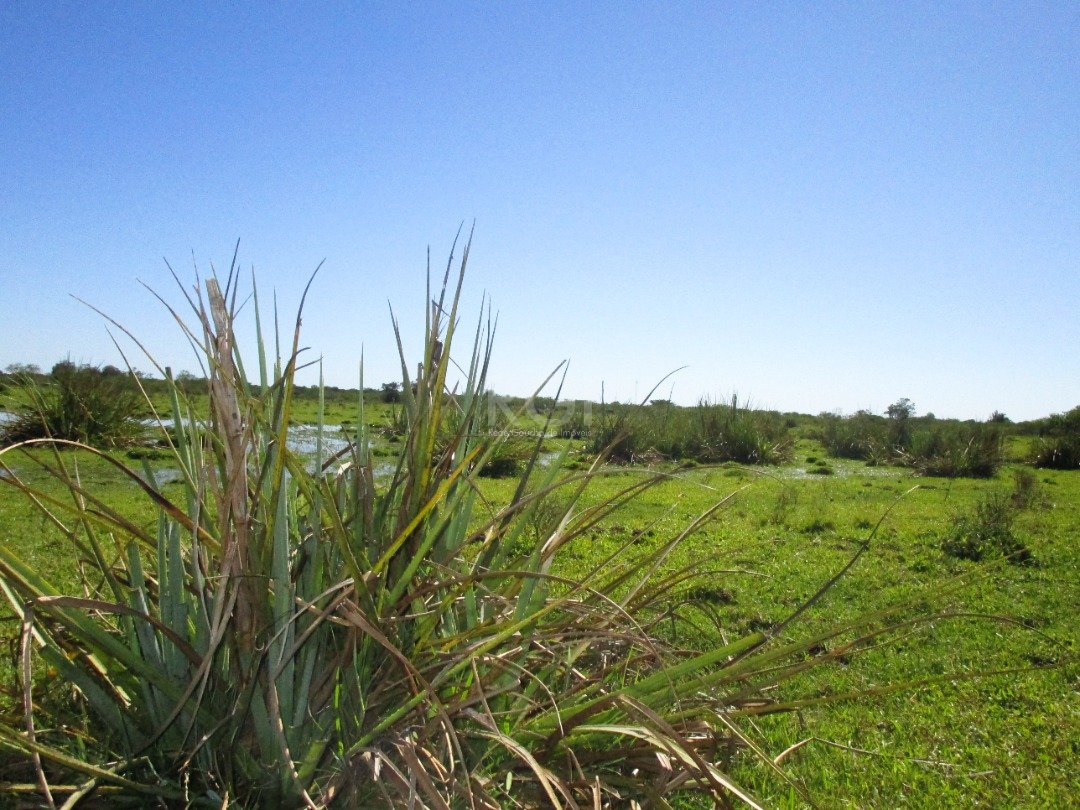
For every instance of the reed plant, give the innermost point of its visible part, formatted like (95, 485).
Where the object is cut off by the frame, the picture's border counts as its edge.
(986, 532)
(298, 633)
(1058, 444)
(80, 404)
(1058, 453)
(970, 451)
(707, 433)
(862, 436)
(939, 449)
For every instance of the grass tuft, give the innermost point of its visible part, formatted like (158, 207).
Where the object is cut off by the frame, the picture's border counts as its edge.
(79, 404)
(986, 532)
(707, 433)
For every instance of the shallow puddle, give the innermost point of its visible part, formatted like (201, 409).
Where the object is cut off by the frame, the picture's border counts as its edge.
(839, 470)
(304, 439)
(163, 476)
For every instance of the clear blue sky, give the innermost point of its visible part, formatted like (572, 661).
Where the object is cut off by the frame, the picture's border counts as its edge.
(818, 206)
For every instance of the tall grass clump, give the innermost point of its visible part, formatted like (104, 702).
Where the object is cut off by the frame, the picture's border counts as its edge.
(862, 436)
(707, 433)
(614, 430)
(986, 532)
(968, 451)
(79, 404)
(942, 449)
(298, 633)
(734, 432)
(508, 452)
(1058, 444)
(1058, 453)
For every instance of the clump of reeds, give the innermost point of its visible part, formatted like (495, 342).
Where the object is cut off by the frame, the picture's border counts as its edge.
(970, 451)
(946, 449)
(80, 404)
(707, 433)
(986, 532)
(862, 436)
(1058, 445)
(1058, 453)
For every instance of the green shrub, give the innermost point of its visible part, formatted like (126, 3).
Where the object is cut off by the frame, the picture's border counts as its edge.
(1027, 491)
(899, 427)
(1058, 444)
(932, 447)
(735, 433)
(508, 458)
(959, 451)
(616, 432)
(708, 433)
(1058, 453)
(862, 436)
(987, 532)
(80, 405)
(574, 426)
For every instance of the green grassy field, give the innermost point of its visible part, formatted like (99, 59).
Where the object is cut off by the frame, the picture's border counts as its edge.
(1010, 740)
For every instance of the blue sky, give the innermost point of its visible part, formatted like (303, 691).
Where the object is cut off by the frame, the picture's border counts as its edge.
(817, 206)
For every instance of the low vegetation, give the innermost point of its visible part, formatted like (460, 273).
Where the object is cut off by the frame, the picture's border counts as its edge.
(861, 436)
(987, 531)
(968, 451)
(98, 407)
(936, 448)
(1058, 443)
(708, 433)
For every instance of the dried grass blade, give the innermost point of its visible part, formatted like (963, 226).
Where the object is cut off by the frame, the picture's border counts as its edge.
(28, 702)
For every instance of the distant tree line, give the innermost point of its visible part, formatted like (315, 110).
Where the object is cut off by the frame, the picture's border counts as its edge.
(706, 432)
